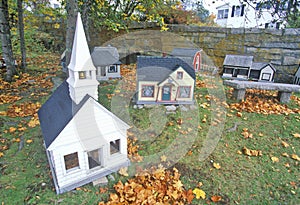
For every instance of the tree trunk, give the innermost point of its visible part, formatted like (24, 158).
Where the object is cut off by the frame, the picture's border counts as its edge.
(72, 9)
(21, 32)
(6, 41)
(85, 18)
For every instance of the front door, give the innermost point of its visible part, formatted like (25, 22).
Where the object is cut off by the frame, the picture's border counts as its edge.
(166, 93)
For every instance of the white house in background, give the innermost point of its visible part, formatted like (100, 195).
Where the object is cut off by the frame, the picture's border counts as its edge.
(106, 61)
(83, 140)
(242, 67)
(237, 14)
(297, 76)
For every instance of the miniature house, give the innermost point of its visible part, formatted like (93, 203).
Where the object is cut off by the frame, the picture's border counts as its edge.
(192, 56)
(297, 76)
(83, 140)
(243, 68)
(106, 61)
(262, 72)
(164, 80)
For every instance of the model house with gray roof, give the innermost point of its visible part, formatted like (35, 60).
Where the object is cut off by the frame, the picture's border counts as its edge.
(106, 61)
(242, 67)
(192, 56)
(84, 141)
(164, 80)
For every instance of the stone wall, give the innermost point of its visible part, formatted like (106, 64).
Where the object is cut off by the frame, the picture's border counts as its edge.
(280, 47)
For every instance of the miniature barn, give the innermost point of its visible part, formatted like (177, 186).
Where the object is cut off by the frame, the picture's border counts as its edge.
(243, 68)
(297, 76)
(192, 56)
(164, 80)
(83, 140)
(106, 61)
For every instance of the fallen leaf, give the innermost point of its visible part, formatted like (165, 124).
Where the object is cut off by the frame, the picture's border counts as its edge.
(1, 154)
(285, 154)
(251, 152)
(123, 171)
(284, 144)
(189, 195)
(216, 165)
(239, 114)
(295, 157)
(274, 159)
(163, 158)
(199, 193)
(215, 198)
(297, 135)
(29, 141)
(12, 129)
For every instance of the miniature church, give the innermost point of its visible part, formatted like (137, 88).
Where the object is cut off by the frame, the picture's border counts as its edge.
(84, 141)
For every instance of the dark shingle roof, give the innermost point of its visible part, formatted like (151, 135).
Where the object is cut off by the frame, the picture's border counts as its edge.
(238, 61)
(151, 68)
(57, 112)
(261, 65)
(184, 52)
(103, 56)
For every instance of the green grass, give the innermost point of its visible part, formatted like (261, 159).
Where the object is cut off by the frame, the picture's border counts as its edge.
(25, 176)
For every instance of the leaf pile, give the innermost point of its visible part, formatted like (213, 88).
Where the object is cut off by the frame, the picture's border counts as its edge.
(262, 102)
(132, 148)
(23, 110)
(155, 186)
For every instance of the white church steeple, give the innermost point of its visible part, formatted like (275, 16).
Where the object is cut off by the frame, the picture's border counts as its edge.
(82, 72)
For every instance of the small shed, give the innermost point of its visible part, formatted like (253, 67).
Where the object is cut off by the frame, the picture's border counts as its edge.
(83, 140)
(107, 63)
(192, 56)
(164, 80)
(237, 66)
(262, 71)
(297, 76)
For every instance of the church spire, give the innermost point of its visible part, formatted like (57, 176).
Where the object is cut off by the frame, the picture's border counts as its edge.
(82, 72)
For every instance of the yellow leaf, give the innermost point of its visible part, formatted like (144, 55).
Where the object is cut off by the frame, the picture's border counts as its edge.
(163, 158)
(284, 144)
(199, 193)
(1, 154)
(274, 159)
(29, 141)
(123, 171)
(297, 135)
(12, 129)
(216, 165)
(285, 154)
(295, 157)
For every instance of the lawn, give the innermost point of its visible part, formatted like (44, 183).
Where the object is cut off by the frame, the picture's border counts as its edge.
(233, 155)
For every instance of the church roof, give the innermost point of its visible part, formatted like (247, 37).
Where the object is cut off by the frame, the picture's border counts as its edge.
(57, 112)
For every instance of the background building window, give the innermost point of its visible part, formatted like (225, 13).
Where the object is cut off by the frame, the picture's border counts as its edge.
(223, 14)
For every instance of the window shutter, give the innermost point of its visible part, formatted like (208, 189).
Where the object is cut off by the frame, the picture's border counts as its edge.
(243, 10)
(232, 13)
